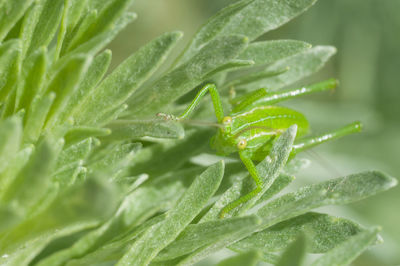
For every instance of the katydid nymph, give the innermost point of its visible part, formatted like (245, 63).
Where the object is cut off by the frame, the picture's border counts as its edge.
(255, 122)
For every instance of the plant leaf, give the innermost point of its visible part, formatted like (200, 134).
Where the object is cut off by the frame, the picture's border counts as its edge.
(80, 133)
(230, 66)
(94, 74)
(13, 11)
(114, 159)
(34, 76)
(323, 232)
(268, 52)
(248, 258)
(64, 83)
(131, 129)
(294, 254)
(74, 153)
(198, 235)
(187, 76)
(279, 184)
(13, 167)
(170, 156)
(192, 202)
(299, 66)
(96, 44)
(81, 207)
(45, 24)
(37, 116)
(336, 191)
(345, 253)
(118, 86)
(248, 17)
(10, 140)
(219, 244)
(33, 181)
(10, 52)
(155, 196)
(104, 21)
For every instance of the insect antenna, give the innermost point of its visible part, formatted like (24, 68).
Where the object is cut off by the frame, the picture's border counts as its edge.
(325, 164)
(167, 117)
(200, 123)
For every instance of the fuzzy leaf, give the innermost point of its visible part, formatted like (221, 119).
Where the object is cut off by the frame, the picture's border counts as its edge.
(37, 116)
(14, 166)
(230, 66)
(192, 202)
(84, 245)
(156, 196)
(8, 218)
(298, 66)
(219, 244)
(33, 181)
(11, 11)
(184, 78)
(81, 207)
(171, 156)
(279, 184)
(46, 24)
(134, 209)
(268, 52)
(80, 133)
(75, 12)
(324, 232)
(131, 129)
(248, 258)
(114, 158)
(255, 77)
(348, 250)
(104, 21)
(268, 170)
(248, 17)
(64, 83)
(34, 76)
(198, 235)
(336, 191)
(96, 44)
(10, 140)
(94, 74)
(75, 153)
(118, 86)
(294, 254)
(10, 52)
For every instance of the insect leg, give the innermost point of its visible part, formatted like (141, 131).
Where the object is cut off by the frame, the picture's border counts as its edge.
(214, 97)
(309, 142)
(264, 97)
(259, 183)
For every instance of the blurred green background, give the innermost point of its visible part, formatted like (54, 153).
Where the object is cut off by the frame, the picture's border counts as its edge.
(367, 36)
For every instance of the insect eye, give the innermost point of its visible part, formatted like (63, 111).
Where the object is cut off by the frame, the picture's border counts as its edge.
(242, 144)
(227, 120)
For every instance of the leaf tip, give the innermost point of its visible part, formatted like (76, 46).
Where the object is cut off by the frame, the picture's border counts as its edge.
(389, 180)
(178, 34)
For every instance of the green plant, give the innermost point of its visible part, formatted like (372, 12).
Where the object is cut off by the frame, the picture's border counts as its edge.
(84, 176)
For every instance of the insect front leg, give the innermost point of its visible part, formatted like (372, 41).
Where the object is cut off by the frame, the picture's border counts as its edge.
(219, 113)
(309, 142)
(259, 184)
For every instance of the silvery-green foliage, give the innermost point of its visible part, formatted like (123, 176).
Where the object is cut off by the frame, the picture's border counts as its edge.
(89, 175)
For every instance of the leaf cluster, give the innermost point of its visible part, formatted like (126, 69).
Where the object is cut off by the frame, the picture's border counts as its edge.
(85, 178)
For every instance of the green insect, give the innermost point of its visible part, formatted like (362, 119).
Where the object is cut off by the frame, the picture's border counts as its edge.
(255, 122)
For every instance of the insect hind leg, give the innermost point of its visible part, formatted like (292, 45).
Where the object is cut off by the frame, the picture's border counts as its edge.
(259, 185)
